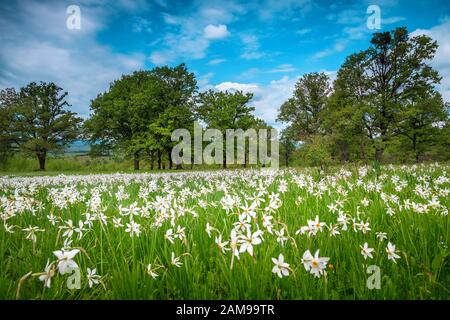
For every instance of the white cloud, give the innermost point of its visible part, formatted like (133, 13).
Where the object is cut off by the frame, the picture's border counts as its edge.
(141, 25)
(332, 74)
(283, 9)
(283, 68)
(203, 81)
(391, 20)
(73, 59)
(441, 61)
(354, 28)
(267, 98)
(249, 73)
(169, 19)
(302, 32)
(214, 62)
(251, 47)
(188, 36)
(207, 21)
(236, 86)
(214, 32)
(338, 46)
(159, 57)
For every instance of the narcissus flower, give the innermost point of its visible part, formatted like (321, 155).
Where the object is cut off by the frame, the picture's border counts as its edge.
(366, 251)
(133, 228)
(381, 235)
(151, 272)
(249, 240)
(65, 262)
(316, 265)
(175, 260)
(48, 274)
(281, 268)
(221, 245)
(93, 277)
(391, 252)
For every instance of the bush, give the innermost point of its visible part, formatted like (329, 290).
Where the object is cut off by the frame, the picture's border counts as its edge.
(316, 152)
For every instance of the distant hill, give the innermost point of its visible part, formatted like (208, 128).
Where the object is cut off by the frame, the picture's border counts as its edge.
(78, 147)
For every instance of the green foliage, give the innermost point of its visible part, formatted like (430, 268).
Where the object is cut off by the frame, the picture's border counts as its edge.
(139, 111)
(304, 111)
(227, 110)
(387, 87)
(287, 145)
(37, 122)
(316, 152)
(384, 104)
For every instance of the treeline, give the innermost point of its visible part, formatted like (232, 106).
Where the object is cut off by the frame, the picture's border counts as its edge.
(382, 106)
(135, 116)
(139, 112)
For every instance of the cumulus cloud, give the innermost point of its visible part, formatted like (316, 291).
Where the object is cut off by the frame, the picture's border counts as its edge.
(270, 97)
(267, 98)
(236, 86)
(37, 46)
(283, 68)
(160, 57)
(441, 61)
(213, 32)
(214, 62)
(188, 37)
(203, 81)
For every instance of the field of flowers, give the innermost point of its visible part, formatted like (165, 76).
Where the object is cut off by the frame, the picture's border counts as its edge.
(235, 234)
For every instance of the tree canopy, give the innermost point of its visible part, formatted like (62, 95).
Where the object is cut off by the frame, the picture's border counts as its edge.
(36, 120)
(384, 98)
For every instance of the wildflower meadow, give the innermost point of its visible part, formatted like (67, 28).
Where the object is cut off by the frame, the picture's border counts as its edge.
(356, 232)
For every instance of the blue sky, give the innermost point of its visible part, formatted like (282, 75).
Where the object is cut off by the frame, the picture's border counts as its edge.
(258, 46)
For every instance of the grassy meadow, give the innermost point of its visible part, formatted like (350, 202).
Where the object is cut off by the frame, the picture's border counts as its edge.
(228, 234)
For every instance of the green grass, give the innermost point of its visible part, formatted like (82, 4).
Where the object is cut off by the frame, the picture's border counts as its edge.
(422, 272)
(21, 165)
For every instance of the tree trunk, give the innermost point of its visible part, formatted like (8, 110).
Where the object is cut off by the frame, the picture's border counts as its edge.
(159, 160)
(169, 155)
(416, 153)
(286, 159)
(224, 152)
(362, 152)
(245, 156)
(379, 154)
(41, 158)
(152, 159)
(136, 160)
(380, 149)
